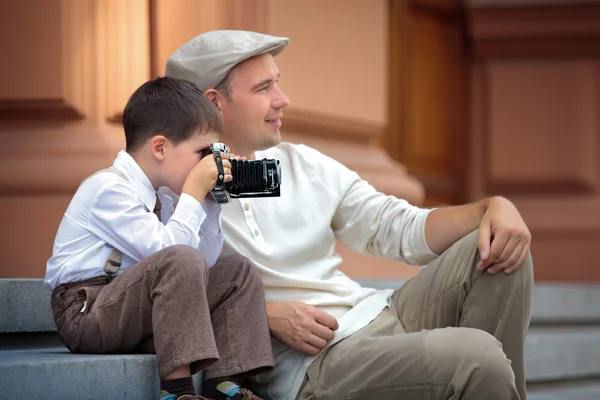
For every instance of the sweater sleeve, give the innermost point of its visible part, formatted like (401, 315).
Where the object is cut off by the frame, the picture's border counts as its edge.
(370, 222)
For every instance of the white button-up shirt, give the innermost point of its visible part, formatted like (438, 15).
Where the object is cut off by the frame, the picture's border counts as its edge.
(291, 239)
(109, 211)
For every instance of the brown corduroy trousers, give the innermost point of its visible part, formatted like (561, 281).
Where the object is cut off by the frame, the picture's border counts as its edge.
(172, 305)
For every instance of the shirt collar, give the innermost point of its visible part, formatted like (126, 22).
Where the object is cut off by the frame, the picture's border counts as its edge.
(137, 178)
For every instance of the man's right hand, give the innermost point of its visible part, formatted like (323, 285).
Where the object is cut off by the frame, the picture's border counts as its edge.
(301, 326)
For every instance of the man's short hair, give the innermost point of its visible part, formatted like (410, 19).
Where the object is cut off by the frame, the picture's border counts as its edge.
(224, 87)
(174, 108)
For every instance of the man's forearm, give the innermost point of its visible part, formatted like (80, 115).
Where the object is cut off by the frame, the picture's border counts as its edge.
(445, 226)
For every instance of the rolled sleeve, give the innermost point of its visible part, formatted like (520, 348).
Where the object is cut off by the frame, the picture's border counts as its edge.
(414, 247)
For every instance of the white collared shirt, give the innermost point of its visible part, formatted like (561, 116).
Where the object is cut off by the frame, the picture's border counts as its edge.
(108, 211)
(291, 239)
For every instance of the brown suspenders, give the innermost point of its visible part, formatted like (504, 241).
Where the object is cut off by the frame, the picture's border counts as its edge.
(114, 259)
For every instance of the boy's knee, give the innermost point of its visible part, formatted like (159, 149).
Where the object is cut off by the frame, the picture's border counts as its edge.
(240, 265)
(186, 259)
(249, 271)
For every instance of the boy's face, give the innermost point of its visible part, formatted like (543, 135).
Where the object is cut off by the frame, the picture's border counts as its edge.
(181, 158)
(253, 116)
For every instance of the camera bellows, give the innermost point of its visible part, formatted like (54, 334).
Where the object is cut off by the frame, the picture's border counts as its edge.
(254, 178)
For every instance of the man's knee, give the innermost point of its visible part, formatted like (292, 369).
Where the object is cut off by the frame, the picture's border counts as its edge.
(471, 359)
(487, 353)
(485, 360)
(467, 349)
(471, 242)
(526, 266)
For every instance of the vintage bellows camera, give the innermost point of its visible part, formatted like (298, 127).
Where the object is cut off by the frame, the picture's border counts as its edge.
(251, 178)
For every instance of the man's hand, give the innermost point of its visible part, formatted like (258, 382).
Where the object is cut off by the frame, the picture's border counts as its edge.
(236, 157)
(504, 239)
(301, 326)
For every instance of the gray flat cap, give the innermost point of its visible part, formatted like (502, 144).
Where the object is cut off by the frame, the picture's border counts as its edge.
(207, 58)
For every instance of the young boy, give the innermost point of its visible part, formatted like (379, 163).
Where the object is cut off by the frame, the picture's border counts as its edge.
(124, 282)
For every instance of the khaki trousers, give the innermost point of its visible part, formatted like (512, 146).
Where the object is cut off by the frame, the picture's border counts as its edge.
(452, 332)
(172, 305)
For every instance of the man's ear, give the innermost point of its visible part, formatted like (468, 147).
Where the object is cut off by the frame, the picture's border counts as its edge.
(214, 96)
(159, 145)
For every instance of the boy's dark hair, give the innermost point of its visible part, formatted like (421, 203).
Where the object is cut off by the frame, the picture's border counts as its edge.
(174, 108)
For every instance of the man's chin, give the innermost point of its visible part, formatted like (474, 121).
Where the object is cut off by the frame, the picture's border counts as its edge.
(273, 140)
(276, 140)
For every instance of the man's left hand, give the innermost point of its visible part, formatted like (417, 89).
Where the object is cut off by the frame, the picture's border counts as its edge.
(504, 239)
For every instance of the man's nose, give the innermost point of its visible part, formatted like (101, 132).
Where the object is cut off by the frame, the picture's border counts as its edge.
(281, 100)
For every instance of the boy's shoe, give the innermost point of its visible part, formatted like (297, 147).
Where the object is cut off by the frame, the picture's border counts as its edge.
(164, 395)
(231, 390)
(248, 395)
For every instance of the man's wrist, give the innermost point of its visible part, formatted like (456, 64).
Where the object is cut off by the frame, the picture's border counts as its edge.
(488, 202)
(483, 206)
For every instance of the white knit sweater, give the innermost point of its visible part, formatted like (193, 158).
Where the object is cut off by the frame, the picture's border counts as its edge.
(291, 239)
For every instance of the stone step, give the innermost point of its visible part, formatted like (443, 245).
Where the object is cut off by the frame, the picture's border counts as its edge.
(29, 350)
(555, 353)
(25, 304)
(551, 354)
(578, 390)
(565, 303)
(55, 373)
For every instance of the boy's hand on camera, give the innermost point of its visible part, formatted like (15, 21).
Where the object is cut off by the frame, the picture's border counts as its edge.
(203, 176)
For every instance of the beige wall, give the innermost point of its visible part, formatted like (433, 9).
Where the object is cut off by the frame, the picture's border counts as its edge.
(337, 59)
(535, 107)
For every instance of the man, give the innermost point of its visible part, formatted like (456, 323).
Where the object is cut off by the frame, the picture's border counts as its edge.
(454, 331)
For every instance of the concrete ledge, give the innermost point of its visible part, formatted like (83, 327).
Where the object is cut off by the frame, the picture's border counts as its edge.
(565, 303)
(556, 353)
(563, 391)
(551, 354)
(25, 306)
(58, 374)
